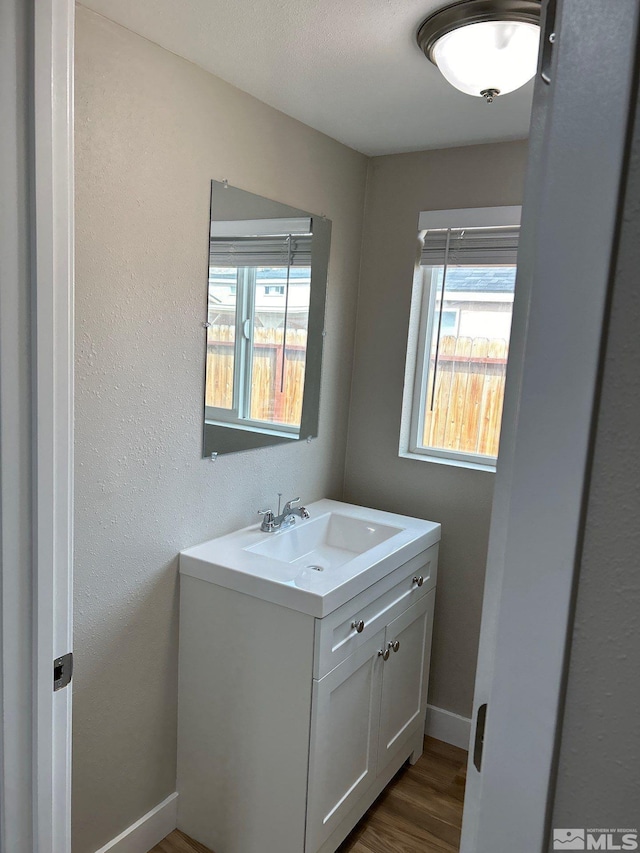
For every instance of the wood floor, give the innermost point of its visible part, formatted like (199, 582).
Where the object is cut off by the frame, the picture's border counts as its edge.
(419, 812)
(178, 842)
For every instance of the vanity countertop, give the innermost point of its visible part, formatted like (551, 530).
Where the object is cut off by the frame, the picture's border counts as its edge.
(317, 564)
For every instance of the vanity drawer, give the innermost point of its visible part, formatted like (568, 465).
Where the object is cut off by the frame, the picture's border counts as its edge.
(335, 635)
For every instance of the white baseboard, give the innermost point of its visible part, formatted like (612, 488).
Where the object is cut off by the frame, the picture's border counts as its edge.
(451, 728)
(145, 833)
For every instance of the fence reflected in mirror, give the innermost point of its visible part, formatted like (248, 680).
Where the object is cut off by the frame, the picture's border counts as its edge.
(266, 292)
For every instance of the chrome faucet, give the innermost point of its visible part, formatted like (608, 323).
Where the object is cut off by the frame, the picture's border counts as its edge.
(284, 519)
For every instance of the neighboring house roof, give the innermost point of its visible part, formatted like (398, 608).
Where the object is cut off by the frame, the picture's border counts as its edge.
(479, 280)
(277, 274)
(459, 279)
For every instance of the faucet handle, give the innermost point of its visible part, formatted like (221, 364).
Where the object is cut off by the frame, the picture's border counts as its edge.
(291, 504)
(267, 520)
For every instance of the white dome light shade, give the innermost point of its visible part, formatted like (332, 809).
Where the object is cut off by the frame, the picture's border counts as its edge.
(491, 55)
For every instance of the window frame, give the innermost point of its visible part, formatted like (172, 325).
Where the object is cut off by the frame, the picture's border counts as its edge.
(246, 282)
(421, 320)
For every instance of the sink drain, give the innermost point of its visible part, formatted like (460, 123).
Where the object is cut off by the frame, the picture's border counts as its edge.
(316, 568)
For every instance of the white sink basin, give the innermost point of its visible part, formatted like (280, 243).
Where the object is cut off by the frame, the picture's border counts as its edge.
(325, 542)
(317, 564)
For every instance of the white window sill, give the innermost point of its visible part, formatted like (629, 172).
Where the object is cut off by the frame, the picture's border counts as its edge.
(245, 427)
(489, 467)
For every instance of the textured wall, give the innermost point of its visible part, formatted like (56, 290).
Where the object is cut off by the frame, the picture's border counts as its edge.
(399, 187)
(16, 428)
(152, 131)
(598, 782)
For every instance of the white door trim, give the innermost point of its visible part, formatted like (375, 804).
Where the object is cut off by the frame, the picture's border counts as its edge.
(567, 247)
(53, 414)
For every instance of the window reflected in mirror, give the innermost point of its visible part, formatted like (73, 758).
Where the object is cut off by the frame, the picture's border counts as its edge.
(257, 375)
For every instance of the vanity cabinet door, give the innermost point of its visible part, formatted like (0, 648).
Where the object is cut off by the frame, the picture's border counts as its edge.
(344, 738)
(405, 677)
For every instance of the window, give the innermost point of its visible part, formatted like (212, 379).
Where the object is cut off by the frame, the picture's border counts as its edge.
(459, 336)
(258, 315)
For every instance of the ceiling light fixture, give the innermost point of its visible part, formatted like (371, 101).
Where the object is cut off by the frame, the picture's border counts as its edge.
(484, 48)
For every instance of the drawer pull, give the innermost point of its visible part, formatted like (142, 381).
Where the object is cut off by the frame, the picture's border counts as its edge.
(418, 580)
(384, 654)
(395, 645)
(358, 625)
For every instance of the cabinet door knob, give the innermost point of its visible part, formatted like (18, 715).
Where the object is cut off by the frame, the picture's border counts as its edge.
(418, 580)
(358, 625)
(395, 645)
(384, 654)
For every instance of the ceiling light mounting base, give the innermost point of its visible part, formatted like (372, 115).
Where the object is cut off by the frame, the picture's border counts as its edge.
(490, 95)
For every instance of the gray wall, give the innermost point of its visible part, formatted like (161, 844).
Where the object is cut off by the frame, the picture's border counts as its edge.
(152, 131)
(16, 84)
(399, 187)
(598, 781)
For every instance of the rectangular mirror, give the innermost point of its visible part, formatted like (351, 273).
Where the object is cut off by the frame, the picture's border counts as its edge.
(266, 292)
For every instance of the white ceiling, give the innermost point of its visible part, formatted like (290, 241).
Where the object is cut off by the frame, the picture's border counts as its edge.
(349, 68)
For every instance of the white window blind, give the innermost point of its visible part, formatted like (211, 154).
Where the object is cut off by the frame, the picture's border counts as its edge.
(261, 243)
(470, 246)
(260, 251)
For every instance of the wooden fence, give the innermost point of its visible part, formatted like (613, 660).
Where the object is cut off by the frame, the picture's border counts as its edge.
(467, 408)
(467, 405)
(267, 401)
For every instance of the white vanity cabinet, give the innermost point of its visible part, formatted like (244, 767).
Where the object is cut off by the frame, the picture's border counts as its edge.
(366, 713)
(289, 725)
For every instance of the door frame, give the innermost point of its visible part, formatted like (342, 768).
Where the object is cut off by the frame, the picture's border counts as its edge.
(36, 607)
(575, 175)
(53, 40)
